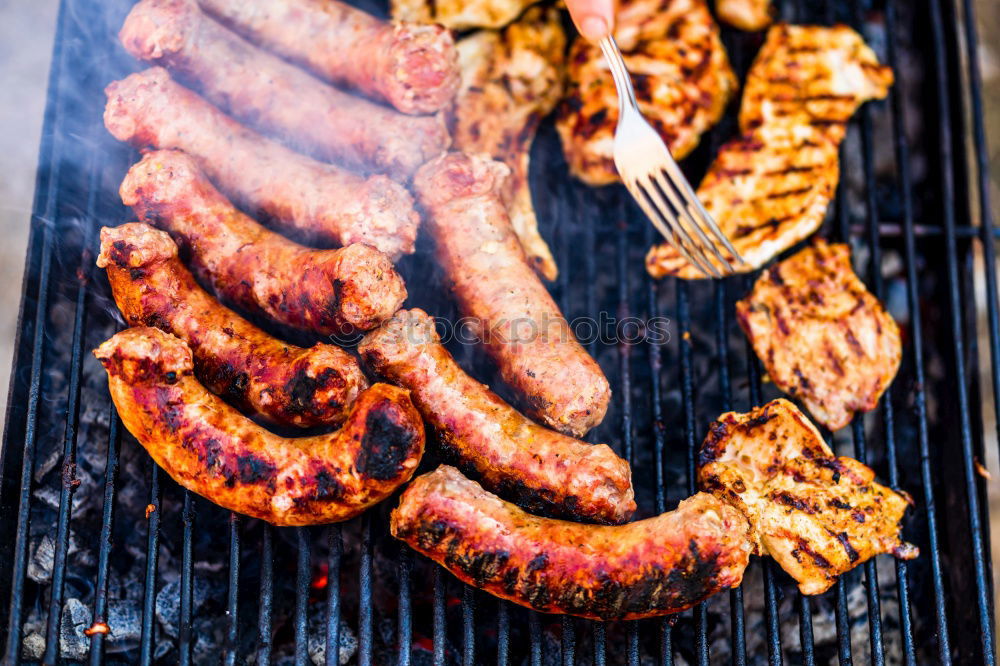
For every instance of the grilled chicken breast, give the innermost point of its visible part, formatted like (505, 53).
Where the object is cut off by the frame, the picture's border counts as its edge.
(822, 336)
(459, 14)
(816, 514)
(770, 188)
(510, 81)
(749, 15)
(681, 75)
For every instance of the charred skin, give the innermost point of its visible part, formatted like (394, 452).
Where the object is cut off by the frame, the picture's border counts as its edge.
(324, 291)
(538, 469)
(495, 286)
(321, 201)
(653, 567)
(265, 91)
(233, 358)
(411, 66)
(209, 448)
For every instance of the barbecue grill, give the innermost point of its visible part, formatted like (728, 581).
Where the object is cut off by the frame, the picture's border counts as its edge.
(93, 536)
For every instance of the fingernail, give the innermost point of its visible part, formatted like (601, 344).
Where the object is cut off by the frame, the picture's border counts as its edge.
(593, 27)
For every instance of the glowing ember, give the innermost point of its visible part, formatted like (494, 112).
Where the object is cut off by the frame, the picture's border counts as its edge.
(150, 508)
(320, 578)
(97, 628)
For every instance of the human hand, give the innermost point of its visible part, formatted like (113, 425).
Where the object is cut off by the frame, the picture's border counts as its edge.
(593, 18)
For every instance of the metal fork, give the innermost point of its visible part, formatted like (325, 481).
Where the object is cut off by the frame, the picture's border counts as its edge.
(657, 183)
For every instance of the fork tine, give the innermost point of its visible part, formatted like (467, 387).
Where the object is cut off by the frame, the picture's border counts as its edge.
(663, 227)
(694, 250)
(677, 176)
(657, 194)
(667, 184)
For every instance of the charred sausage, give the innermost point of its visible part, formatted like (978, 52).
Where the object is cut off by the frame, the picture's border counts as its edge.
(652, 567)
(540, 470)
(322, 201)
(325, 291)
(265, 91)
(211, 449)
(495, 286)
(413, 67)
(233, 358)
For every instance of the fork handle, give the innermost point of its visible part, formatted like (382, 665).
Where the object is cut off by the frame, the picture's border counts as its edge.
(626, 93)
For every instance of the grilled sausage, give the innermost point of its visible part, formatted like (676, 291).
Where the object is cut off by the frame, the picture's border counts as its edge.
(538, 469)
(325, 291)
(411, 66)
(264, 91)
(652, 567)
(211, 449)
(495, 286)
(298, 193)
(233, 358)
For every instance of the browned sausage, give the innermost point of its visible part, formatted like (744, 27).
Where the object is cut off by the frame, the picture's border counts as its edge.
(264, 91)
(540, 470)
(490, 277)
(413, 67)
(149, 110)
(233, 358)
(211, 449)
(325, 291)
(652, 567)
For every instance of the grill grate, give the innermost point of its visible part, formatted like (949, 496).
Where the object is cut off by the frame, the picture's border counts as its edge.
(925, 437)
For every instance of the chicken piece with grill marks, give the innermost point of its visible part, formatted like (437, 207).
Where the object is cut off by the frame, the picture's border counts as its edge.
(822, 336)
(811, 75)
(510, 81)
(770, 188)
(459, 14)
(818, 515)
(680, 72)
(749, 15)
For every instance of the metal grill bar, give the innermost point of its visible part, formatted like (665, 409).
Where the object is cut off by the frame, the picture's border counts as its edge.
(913, 301)
(405, 612)
(440, 637)
(986, 227)
(264, 619)
(302, 579)
(365, 601)
(335, 541)
(233, 593)
(956, 306)
(503, 633)
(104, 552)
(187, 575)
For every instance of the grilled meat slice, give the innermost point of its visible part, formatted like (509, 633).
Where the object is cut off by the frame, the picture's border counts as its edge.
(211, 449)
(749, 15)
(652, 567)
(811, 75)
(510, 81)
(681, 75)
(817, 514)
(770, 188)
(822, 336)
(459, 14)
(767, 191)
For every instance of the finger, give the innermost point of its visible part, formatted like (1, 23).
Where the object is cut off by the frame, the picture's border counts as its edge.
(593, 18)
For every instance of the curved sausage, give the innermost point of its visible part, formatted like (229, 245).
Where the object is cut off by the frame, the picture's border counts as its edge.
(652, 567)
(264, 91)
(211, 449)
(322, 201)
(233, 358)
(540, 470)
(522, 328)
(325, 291)
(413, 67)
